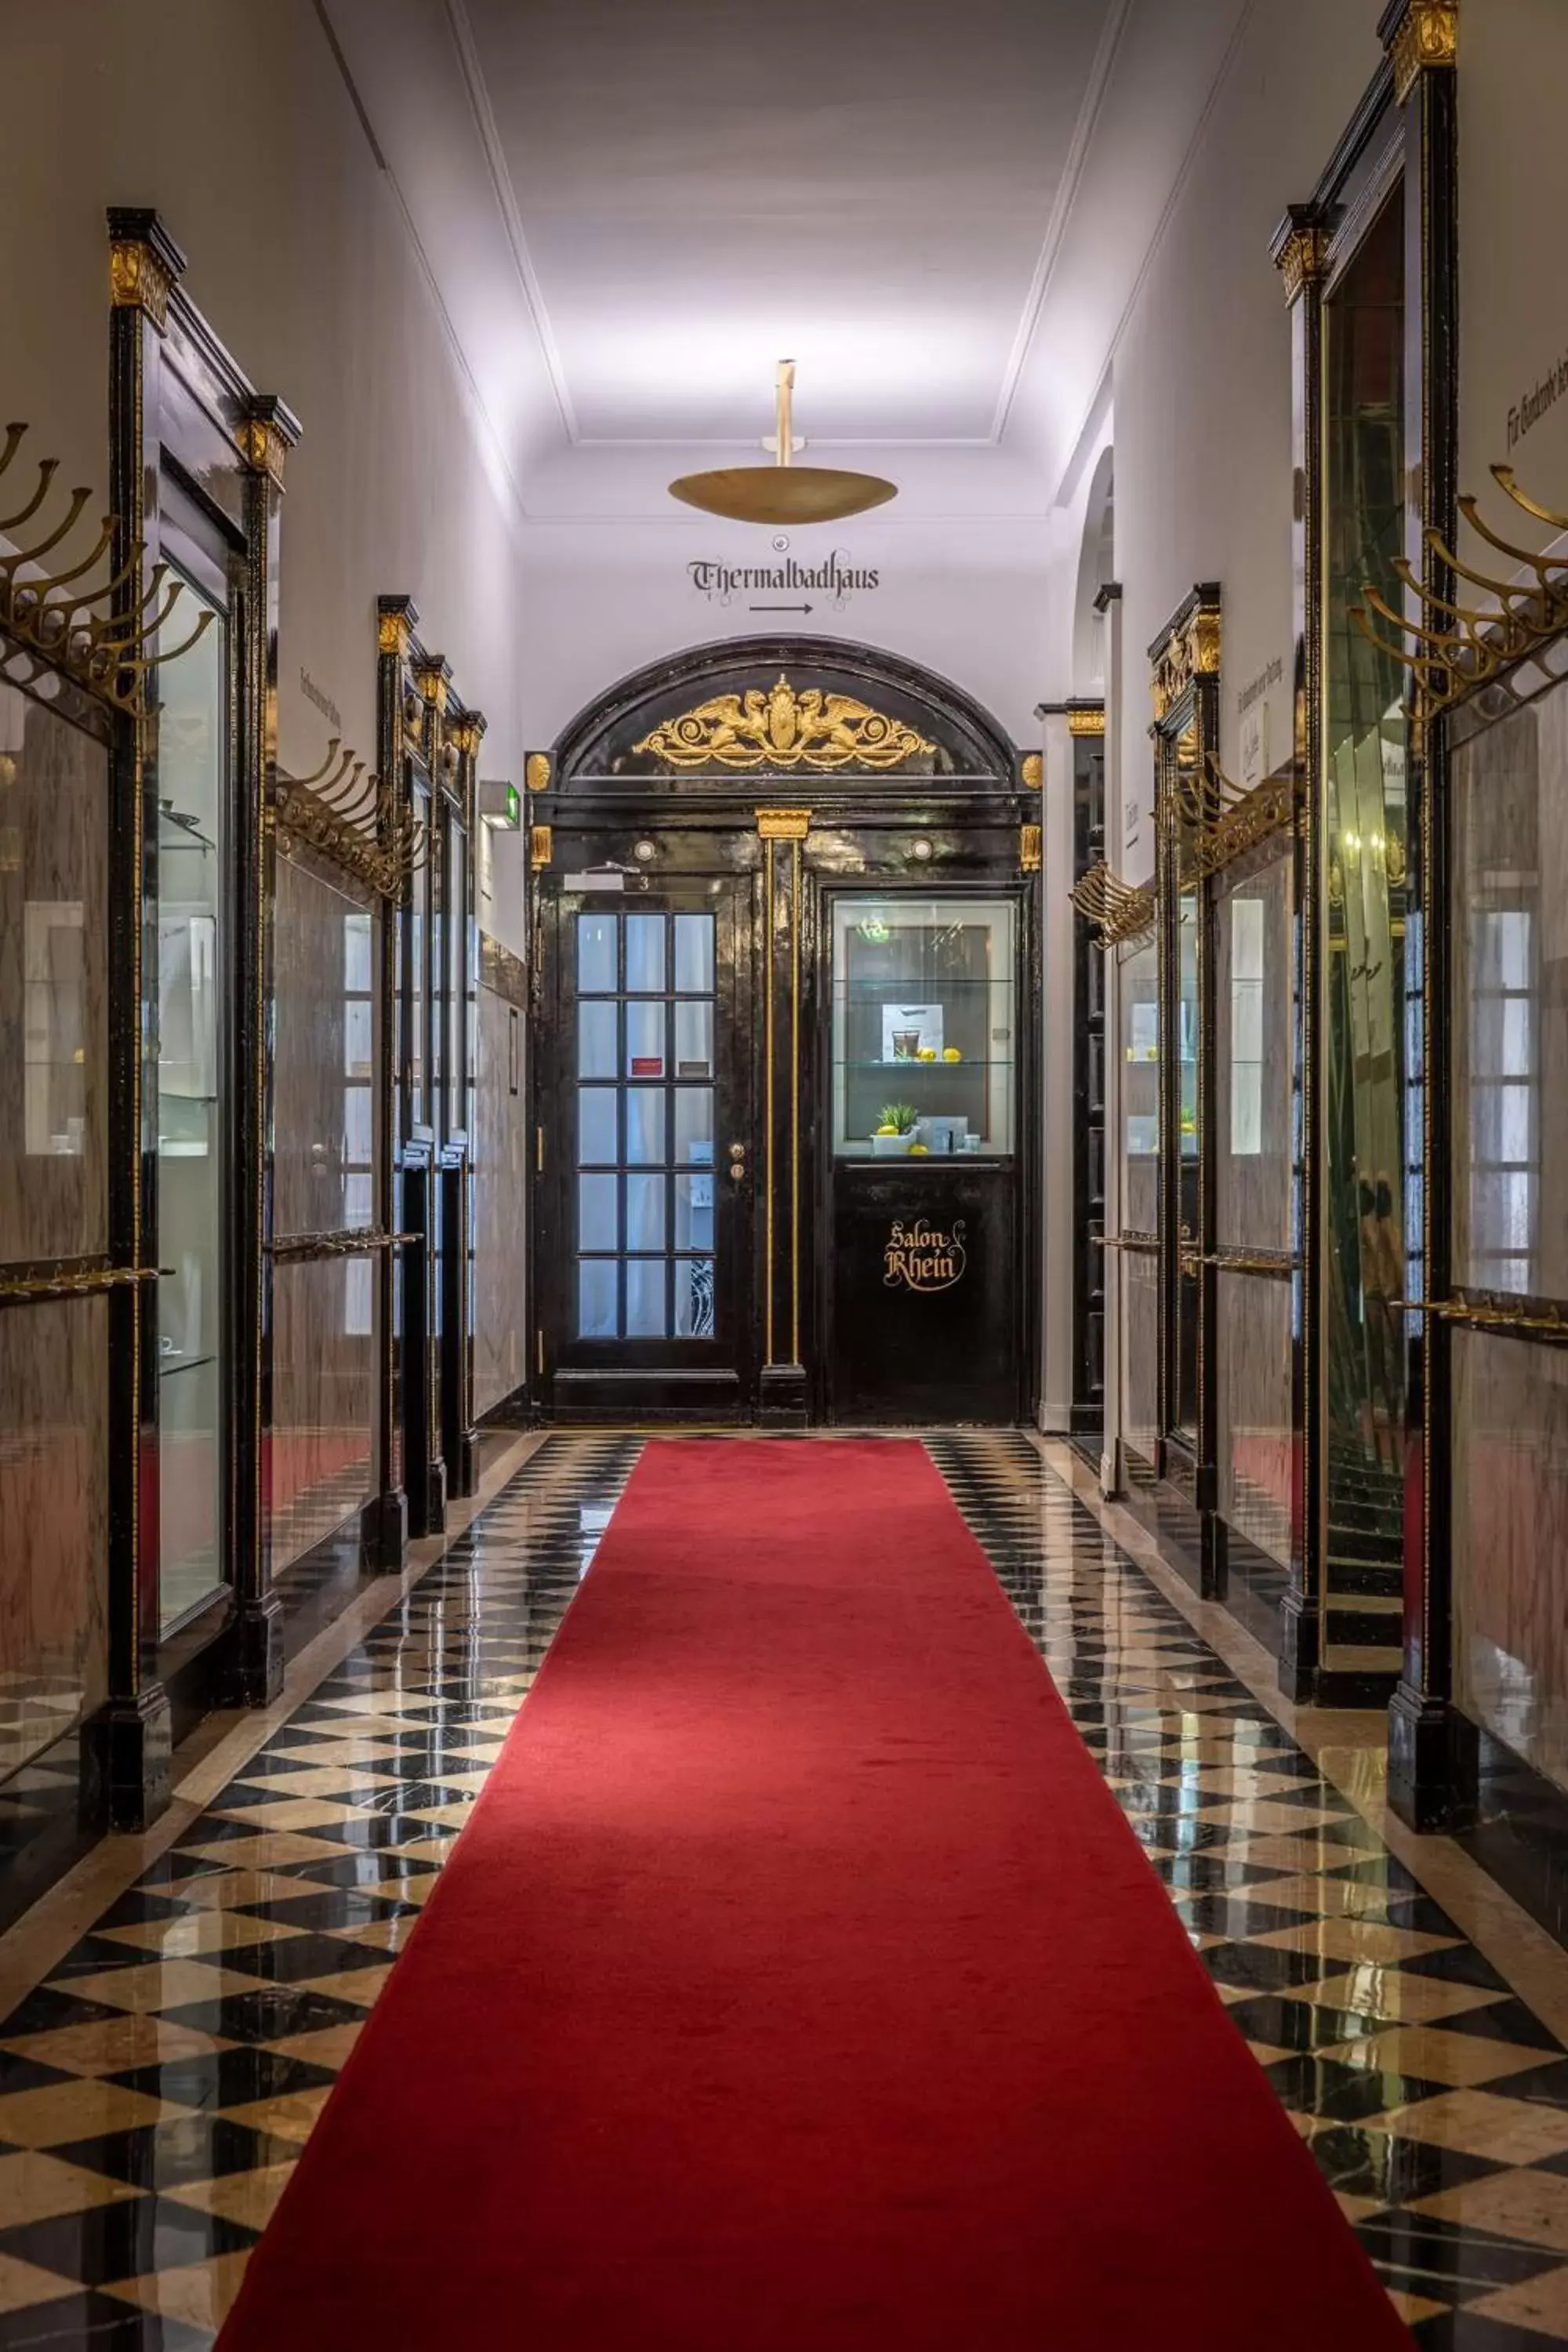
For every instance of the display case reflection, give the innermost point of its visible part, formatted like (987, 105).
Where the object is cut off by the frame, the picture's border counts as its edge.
(923, 1028)
(192, 766)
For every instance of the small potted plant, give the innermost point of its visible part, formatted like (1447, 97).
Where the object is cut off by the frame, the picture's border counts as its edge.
(895, 1131)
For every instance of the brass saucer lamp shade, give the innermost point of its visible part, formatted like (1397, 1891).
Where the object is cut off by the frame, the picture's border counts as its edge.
(783, 491)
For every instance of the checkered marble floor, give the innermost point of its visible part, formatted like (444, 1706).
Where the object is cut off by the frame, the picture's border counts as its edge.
(1435, 2104)
(156, 2090)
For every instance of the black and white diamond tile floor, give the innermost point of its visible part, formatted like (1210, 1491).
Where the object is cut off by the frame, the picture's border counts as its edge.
(156, 2088)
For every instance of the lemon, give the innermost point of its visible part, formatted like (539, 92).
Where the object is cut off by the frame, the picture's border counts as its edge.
(952, 1053)
(928, 1053)
(886, 1131)
(919, 1150)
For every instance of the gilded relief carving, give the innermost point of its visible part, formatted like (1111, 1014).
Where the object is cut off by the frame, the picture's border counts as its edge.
(781, 728)
(139, 280)
(1190, 652)
(1426, 36)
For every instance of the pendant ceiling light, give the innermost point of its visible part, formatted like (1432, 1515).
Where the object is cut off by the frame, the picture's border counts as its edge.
(783, 491)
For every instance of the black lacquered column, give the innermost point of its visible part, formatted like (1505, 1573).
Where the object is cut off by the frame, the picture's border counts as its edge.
(265, 436)
(126, 1743)
(782, 1388)
(1423, 1787)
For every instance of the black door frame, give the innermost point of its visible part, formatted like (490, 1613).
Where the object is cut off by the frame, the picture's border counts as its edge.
(900, 780)
(583, 1381)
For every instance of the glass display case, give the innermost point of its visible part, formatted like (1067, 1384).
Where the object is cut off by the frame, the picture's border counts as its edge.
(924, 1027)
(192, 730)
(1139, 994)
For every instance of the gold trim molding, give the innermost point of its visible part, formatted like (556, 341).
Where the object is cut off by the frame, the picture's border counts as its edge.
(1086, 722)
(1302, 259)
(784, 823)
(1029, 848)
(262, 446)
(1426, 36)
(435, 677)
(541, 846)
(781, 728)
(1190, 651)
(139, 281)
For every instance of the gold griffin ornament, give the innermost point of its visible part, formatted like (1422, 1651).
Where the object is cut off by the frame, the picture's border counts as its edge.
(783, 491)
(781, 728)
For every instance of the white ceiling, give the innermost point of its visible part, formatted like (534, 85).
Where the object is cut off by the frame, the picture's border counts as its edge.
(697, 188)
(630, 210)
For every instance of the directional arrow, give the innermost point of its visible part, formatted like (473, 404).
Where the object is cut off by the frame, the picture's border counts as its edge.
(781, 608)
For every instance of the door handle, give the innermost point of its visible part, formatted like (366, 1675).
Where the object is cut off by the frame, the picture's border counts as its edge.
(737, 1163)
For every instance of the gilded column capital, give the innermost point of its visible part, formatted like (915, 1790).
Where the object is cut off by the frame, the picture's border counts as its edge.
(1300, 251)
(1419, 35)
(396, 619)
(783, 823)
(1086, 722)
(146, 265)
(434, 676)
(264, 437)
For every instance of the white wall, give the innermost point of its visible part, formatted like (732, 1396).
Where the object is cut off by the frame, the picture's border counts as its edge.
(1203, 376)
(965, 599)
(236, 124)
(1513, 266)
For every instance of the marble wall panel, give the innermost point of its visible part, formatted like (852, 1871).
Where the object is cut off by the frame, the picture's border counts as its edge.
(54, 1521)
(1256, 1451)
(1510, 1004)
(54, 1006)
(323, 1401)
(1510, 1544)
(1141, 1351)
(322, 1055)
(500, 1203)
(1253, 1015)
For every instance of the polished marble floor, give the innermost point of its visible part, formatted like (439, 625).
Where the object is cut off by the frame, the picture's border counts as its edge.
(157, 2086)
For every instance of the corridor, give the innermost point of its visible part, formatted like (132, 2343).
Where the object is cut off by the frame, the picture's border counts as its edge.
(177, 2019)
(783, 1313)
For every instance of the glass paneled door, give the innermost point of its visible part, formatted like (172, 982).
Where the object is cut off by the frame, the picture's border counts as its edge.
(646, 1236)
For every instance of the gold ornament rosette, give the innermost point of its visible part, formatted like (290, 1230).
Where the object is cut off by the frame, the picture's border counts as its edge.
(782, 729)
(346, 814)
(83, 618)
(1492, 658)
(1118, 911)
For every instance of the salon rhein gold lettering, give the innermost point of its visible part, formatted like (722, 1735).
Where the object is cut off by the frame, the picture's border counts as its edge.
(922, 1257)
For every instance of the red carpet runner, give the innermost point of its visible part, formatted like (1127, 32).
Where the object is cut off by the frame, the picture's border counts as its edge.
(797, 1983)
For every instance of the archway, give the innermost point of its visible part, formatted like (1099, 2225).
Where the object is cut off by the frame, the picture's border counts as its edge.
(780, 902)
